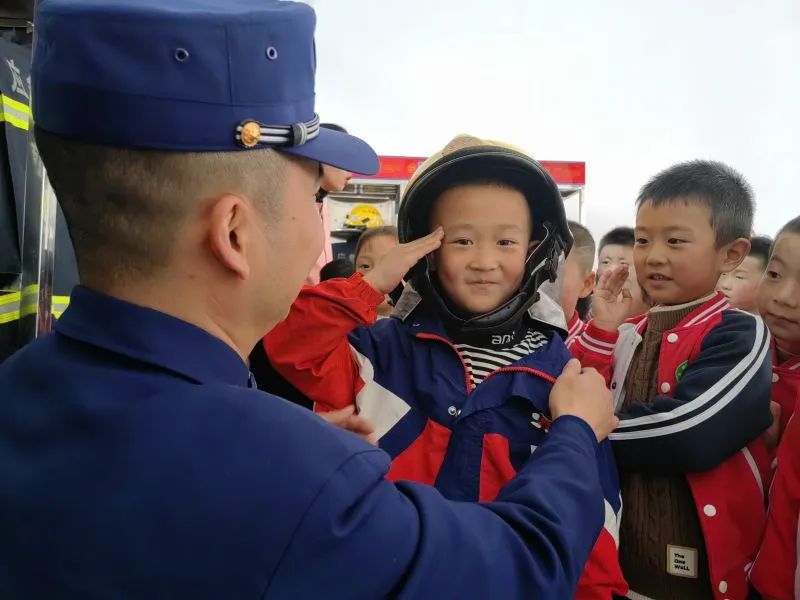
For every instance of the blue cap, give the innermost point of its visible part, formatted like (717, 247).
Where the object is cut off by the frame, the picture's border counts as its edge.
(185, 75)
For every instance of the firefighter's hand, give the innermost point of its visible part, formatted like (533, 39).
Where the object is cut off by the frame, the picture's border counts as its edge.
(394, 265)
(346, 418)
(611, 301)
(583, 394)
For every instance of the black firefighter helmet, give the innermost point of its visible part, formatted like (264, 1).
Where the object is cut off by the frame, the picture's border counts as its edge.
(467, 159)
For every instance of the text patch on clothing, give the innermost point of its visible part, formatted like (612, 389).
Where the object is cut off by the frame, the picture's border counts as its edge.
(682, 562)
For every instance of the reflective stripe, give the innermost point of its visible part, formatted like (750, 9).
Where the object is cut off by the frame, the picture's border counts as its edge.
(30, 301)
(14, 112)
(9, 307)
(60, 304)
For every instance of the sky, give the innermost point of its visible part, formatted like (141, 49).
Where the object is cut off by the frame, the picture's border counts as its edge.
(627, 87)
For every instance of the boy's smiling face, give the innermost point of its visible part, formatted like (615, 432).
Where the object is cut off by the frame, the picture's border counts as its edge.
(676, 254)
(487, 236)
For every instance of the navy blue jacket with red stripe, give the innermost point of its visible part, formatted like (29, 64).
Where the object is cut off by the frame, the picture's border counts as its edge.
(407, 377)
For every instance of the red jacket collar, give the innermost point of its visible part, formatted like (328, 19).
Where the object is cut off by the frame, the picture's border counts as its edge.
(706, 311)
(792, 364)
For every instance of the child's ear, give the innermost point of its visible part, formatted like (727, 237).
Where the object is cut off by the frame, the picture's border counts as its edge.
(588, 284)
(734, 253)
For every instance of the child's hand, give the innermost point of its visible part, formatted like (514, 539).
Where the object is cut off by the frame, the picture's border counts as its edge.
(393, 266)
(611, 302)
(583, 393)
(347, 419)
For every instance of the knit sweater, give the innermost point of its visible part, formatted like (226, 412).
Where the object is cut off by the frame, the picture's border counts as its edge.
(660, 518)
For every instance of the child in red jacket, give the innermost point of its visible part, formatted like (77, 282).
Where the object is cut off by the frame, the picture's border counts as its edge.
(691, 379)
(775, 573)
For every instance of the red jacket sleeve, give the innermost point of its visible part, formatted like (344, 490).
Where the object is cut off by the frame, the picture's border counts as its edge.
(595, 348)
(310, 347)
(773, 573)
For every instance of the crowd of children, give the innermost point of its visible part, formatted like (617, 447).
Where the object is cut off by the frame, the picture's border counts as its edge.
(694, 323)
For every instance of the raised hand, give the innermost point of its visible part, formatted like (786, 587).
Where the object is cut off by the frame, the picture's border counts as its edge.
(611, 302)
(393, 266)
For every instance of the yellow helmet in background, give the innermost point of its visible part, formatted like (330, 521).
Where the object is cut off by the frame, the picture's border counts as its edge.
(364, 216)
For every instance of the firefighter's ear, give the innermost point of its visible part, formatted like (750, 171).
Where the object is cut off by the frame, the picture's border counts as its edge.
(228, 233)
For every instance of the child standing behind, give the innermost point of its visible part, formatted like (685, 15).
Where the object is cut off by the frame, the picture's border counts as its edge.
(775, 569)
(692, 384)
(579, 278)
(741, 285)
(371, 247)
(615, 251)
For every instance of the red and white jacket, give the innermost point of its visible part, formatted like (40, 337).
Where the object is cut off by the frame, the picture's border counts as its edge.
(575, 328)
(714, 376)
(775, 572)
(785, 386)
(407, 377)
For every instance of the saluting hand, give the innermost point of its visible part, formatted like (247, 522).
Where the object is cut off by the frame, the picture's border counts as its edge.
(395, 264)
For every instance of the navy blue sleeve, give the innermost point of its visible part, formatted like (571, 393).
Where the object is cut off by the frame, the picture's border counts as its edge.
(364, 537)
(720, 405)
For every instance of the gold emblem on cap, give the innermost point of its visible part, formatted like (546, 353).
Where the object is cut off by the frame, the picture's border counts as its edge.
(251, 134)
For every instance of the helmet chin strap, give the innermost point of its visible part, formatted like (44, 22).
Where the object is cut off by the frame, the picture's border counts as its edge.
(541, 265)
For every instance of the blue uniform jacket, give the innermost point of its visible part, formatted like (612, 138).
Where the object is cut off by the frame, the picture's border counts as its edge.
(136, 462)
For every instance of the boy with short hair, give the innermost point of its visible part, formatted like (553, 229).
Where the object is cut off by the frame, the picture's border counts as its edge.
(579, 278)
(456, 382)
(741, 286)
(616, 250)
(774, 572)
(692, 384)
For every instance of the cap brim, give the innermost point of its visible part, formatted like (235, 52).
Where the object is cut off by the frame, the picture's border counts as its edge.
(339, 150)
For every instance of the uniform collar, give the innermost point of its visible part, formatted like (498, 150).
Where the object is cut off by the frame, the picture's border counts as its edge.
(152, 337)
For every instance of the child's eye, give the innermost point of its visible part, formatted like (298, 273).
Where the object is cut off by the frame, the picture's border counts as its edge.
(507, 242)
(675, 241)
(462, 242)
(641, 241)
(773, 275)
(364, 267)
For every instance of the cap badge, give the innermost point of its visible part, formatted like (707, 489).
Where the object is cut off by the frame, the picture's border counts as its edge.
(250, 134)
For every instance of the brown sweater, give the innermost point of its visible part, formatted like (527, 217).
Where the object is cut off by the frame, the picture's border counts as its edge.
(659, 510)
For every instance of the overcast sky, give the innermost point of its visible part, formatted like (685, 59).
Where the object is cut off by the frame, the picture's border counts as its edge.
(628, 87)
